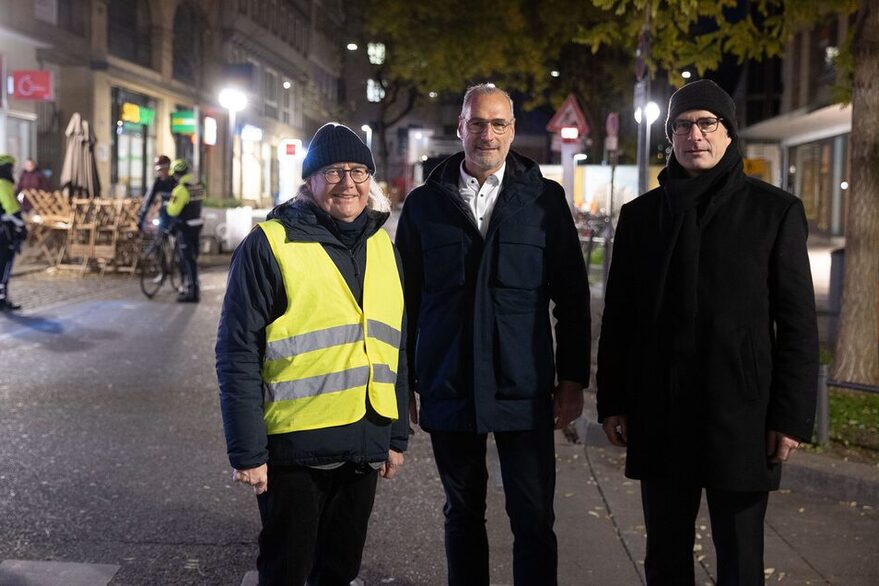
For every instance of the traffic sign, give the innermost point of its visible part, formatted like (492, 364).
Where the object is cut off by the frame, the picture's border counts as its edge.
(570, 114)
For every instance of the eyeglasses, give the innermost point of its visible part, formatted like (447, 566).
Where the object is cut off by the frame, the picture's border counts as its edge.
(336, 175)
(478, 125)
(706, 125)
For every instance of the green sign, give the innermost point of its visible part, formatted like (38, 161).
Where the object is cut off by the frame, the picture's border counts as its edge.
(183, 122)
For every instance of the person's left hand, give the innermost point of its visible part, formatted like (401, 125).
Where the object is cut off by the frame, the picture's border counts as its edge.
(392, 465)
(779, 446)
(567, 403)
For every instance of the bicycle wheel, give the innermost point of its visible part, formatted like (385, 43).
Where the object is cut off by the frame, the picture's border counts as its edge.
(152, 268)
(172, 265)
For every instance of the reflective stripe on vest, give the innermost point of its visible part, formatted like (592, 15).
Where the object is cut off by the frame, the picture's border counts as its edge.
(325, 354)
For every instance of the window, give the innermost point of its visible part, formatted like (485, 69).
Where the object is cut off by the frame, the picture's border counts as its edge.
(128, 31)
(287, 101)
(376, 52)
(270, 93)
(187, 60)
(374, 91)
(73, 16)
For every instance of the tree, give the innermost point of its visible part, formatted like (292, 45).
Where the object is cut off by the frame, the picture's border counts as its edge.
(763, 30)
(442, 47)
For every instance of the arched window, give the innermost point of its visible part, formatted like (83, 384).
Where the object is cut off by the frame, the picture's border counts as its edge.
(128, 31)
(188, 30)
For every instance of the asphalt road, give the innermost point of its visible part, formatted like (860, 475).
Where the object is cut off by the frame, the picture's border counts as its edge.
(111, 452)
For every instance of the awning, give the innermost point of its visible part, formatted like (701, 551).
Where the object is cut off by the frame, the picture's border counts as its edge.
(801, 126)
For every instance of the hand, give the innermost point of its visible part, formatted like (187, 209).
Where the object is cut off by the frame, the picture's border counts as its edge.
(779, 446)
(567, 403)
(413, 408)
(616, 428)
(392, 465)
(257, 477)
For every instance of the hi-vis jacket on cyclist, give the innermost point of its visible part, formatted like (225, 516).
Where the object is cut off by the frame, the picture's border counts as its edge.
(185, 207)
(12, 229)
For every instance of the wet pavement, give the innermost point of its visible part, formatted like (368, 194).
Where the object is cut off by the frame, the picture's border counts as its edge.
(113, 457)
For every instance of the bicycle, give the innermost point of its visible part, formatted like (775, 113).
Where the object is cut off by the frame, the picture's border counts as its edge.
(159, 263)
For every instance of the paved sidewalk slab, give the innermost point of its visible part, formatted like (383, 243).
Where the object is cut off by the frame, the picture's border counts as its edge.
(28, 573)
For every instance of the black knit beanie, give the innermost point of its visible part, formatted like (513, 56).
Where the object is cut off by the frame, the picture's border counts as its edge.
(702, 95)
(335, 143)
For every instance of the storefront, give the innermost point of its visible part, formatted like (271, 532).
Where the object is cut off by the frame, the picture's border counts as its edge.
(813, 161)
(133, 144)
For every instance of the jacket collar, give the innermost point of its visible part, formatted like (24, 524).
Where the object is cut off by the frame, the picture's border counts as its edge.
(303, 221)
(522, 184)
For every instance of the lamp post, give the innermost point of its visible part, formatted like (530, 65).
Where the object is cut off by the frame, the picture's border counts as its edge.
(651, 113)
(233, 100)
(368, 130)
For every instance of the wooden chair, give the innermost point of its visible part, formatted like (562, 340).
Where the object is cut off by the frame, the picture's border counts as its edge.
(49, 221)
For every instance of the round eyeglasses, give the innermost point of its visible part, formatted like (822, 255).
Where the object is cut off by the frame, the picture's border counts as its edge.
(334, 175)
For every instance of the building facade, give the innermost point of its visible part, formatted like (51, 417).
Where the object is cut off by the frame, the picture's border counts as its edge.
(147, 75)
(805, 146)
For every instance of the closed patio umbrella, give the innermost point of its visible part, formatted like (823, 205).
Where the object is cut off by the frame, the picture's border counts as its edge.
(79, 173)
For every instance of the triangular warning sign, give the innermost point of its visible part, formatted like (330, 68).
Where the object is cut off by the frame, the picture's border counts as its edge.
(570, 114)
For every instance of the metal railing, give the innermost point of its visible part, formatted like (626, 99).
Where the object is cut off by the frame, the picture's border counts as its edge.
(822, 412)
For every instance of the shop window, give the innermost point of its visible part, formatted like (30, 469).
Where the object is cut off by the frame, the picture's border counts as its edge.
(128, 31)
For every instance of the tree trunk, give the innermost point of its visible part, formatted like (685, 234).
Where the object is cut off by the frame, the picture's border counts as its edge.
(857, 349)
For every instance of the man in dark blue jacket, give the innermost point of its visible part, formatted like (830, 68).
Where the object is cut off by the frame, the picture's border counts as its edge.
(486, 244)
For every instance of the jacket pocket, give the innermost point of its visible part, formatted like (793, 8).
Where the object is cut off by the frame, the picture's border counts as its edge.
(520, 258)
(749, 369)
(523, 356)
(443, 248)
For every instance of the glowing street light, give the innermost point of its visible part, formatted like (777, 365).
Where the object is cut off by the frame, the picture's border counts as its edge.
(233, 100)
(368, 130)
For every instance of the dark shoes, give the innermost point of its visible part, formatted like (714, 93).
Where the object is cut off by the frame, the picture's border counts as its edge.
(7, 305)
(187, 298)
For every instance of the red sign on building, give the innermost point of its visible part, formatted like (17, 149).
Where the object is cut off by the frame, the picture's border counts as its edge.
(32, 85)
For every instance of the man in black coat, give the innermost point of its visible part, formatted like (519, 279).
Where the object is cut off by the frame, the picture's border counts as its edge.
(486, 243)
(708, 357)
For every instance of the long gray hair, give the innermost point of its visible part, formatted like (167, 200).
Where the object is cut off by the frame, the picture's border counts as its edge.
(378, 201)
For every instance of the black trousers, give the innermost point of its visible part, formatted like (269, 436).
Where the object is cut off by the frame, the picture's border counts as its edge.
(187, 248)
(7, 256)
(736, 528)
(314, 524)
(527, 461)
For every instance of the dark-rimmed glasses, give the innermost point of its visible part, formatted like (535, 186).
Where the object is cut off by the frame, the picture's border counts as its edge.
(706, 125)
(335, 175)
(478, 125)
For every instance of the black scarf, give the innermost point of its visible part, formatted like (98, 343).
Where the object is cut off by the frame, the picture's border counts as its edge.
(688, 204)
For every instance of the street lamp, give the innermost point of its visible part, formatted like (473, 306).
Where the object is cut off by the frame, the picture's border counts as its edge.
(233, 100)
(651, 113)
(368, 130)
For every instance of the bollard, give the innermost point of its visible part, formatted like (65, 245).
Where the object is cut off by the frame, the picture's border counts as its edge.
(823, 407)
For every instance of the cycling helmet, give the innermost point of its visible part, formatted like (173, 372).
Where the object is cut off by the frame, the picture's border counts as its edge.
(179, 166)
(162, 161)
(7, 160)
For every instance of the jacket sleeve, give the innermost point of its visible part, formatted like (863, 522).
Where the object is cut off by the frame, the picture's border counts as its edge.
(792, 306)
(179, 198)
(616, 328)
(255, 297)
(409, 247)
(569, 289)
(400, 427)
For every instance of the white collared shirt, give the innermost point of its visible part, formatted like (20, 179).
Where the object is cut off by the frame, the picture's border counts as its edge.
(481, 199)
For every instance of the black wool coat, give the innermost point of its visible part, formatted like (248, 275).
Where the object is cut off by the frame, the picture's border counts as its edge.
(478, 308)
(756, 341)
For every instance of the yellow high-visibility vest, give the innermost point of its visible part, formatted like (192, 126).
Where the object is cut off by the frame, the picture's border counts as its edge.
(325, 355)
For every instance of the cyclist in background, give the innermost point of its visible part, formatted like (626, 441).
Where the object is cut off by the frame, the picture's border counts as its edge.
(12, 229)
(184, 210)
(162, 187)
